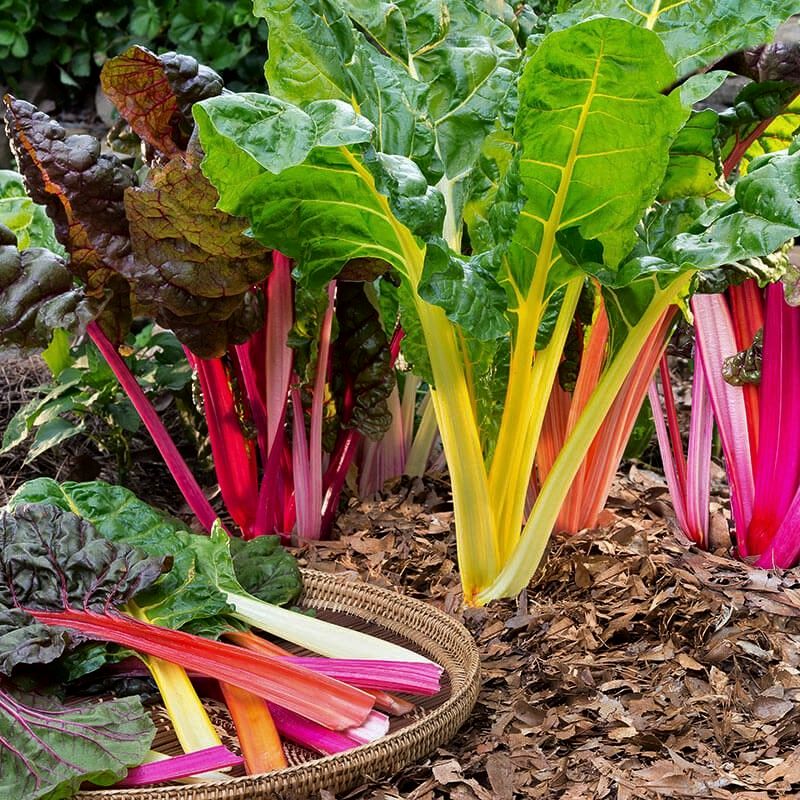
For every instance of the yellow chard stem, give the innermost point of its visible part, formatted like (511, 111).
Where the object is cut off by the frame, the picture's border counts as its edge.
(189, 718)
(478, 559)
(542, 376)
(518, 570)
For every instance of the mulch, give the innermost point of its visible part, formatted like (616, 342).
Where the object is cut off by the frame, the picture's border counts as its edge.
(634, 666)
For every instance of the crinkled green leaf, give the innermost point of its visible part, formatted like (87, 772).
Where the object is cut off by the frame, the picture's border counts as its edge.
(428, 71)
(762, 119)
(48, 749)
(265, 570)
(482, 186)
(466, 289)
(695, 32)
(466, 58)
(765, 215)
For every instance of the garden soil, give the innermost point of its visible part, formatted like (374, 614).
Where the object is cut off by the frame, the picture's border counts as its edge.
(634, 666)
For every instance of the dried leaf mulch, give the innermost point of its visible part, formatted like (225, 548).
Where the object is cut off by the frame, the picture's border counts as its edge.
(634, 666)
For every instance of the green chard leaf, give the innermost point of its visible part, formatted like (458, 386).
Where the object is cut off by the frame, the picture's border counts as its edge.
(439, 75)
(571, 173)
(694, 168)
(48, 749)
(695, 32)
(265, 570)
(264, 156)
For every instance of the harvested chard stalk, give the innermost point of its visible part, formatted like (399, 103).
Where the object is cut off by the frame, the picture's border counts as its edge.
(166, 768)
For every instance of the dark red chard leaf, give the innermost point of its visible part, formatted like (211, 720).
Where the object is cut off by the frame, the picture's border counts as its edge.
(82, 191)
(155, 94)
(363, 377)
(191, 82)
(193, 267)
(778, 61)
(53, 559)
(37, 294)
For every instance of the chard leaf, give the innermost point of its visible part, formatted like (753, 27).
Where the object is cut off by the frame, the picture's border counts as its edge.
(695, 32)
(193, 268)
(361, 363)
(52, 559)
(37, 295)
(190, 595)
(265, 174)
(48, 749)
(699, 87)
(265, 570)
(155, 94)
(694, 167)
(23, 640)
(315, 54)
(27, 220)
(574, 173)
(440, 72)
(466, 289)
(763, 217)
(466, 58)
(82, 191)
(181, 598)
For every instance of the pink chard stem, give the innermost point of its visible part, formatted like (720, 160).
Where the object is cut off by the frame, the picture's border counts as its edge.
(234, 454)
(186, 482)
(308, 459)
(716, 340)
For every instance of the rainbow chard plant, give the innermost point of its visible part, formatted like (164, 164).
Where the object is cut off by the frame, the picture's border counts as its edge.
(496, 187)
(293, 381)
(746, 336)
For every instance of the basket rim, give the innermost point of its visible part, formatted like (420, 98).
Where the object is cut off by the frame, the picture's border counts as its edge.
(443, 637)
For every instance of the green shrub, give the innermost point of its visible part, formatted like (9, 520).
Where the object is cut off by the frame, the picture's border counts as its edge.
(72, 39)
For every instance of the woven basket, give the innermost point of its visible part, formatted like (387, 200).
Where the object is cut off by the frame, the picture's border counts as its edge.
(392, 616)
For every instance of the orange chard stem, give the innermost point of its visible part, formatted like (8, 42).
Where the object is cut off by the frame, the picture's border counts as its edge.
(258, 737)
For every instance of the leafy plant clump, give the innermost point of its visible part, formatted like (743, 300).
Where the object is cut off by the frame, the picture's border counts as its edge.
(533, 221)
(499, 195)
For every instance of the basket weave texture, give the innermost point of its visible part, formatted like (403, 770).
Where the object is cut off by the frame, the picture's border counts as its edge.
(412, 622)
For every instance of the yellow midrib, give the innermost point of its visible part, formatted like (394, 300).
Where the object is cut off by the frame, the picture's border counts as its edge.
(513, 452)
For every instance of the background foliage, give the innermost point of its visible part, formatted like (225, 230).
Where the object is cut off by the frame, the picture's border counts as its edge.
(73, 38)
